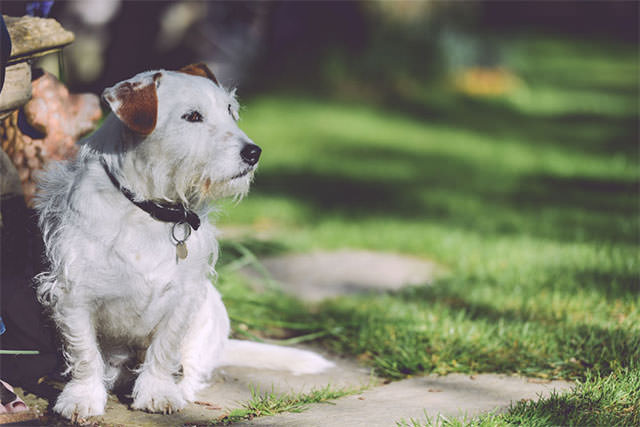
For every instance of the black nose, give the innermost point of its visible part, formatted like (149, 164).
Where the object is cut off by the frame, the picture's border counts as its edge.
(250, 154)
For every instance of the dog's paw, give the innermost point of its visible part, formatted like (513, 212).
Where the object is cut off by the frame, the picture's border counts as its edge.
(153, 394)
(81, 399)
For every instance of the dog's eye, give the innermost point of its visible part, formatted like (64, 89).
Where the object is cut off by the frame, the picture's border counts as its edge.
(192, 116)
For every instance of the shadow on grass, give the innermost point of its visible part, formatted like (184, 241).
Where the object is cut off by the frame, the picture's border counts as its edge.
(580, 131)
(611, 284)
(615, 195)
(448, 190)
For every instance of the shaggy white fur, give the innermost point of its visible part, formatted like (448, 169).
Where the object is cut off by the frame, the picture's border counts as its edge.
(125, 304)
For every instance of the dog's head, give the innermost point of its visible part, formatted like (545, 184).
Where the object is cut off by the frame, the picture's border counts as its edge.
(183, 133)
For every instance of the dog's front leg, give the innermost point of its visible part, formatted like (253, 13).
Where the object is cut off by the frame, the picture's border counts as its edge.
(155, 389)
(85, 395)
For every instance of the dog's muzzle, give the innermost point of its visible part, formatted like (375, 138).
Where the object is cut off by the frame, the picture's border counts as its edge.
(250, 154)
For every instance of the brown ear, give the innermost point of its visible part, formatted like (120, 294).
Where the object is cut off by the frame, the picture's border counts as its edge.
(135, 102)
(199, 69)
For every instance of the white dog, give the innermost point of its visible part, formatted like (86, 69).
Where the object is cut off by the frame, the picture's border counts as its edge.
(131, 249)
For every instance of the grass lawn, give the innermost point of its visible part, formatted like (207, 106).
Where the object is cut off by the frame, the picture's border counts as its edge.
(530, 201)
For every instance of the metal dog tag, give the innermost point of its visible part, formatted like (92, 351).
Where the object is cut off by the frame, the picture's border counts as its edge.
(181, 245)
(181, 250)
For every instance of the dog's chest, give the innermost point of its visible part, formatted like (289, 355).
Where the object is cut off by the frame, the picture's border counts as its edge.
(149, 250)
(154, 281)
(137, 313)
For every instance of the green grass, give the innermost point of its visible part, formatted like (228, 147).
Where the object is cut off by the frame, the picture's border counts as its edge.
(271, 403)
(608, 401)
(529, 201)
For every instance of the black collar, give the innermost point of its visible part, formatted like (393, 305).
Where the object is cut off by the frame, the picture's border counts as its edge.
(162, 211)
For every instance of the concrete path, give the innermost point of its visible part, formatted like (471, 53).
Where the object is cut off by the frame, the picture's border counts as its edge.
(381, 404)
(319, 275)
(231, 387)
(453, 395)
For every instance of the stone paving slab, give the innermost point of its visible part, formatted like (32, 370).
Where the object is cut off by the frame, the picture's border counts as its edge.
(453, 396)
(319, 275)
(230, 388)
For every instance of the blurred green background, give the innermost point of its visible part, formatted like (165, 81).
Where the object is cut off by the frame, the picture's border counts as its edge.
(393, 124)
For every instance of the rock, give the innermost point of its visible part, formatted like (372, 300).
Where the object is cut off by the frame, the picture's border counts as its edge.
(17, 88)
(33, 36)
(30, 37)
